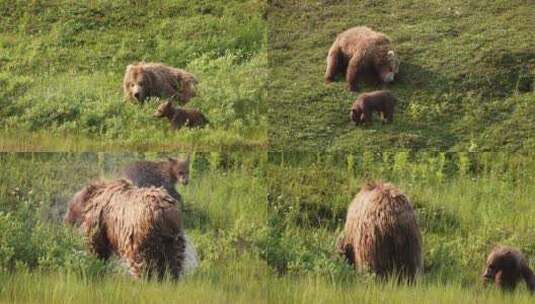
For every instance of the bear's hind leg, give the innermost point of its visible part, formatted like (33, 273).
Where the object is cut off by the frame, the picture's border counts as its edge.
(353, 67)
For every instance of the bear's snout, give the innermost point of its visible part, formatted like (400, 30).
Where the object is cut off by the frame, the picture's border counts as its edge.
(389, 77)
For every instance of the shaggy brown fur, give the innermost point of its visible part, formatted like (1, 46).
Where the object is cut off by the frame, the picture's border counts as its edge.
(382, 102)
(141, 225)
(359, 49)
(506, 266)
(381, 233)
(143, 80)
(164, 174)
(180, 117)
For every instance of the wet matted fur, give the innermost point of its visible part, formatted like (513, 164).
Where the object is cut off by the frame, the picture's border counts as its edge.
(140, 225)
(381, 233)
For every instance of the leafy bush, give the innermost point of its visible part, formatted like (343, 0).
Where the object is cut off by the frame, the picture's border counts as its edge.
(30, 244)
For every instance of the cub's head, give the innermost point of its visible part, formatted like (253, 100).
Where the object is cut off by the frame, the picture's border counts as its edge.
(388, 67)
(164, 109)
(137, 82)
(180, 169)
(502, 260)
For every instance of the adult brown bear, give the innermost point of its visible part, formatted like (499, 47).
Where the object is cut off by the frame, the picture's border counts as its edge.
(381, 233)
(143, 80)
(360, 49)
(141, 225)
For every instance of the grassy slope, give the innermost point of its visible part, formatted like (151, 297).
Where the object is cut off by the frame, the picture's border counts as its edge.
(465, 205)
(226, 224)
(62, 64)
(466, 78)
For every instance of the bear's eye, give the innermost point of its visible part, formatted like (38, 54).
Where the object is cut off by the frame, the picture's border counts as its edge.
(131, 84)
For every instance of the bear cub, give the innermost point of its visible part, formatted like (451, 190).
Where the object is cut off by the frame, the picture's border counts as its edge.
(381, 102)
(180, 117)
(164, 174)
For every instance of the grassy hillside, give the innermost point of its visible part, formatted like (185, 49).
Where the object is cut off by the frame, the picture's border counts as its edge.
(466, 78)
(41, 261)
(62, 64)
(465, 204)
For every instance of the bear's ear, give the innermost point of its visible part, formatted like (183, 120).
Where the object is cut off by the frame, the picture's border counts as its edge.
(185, 160)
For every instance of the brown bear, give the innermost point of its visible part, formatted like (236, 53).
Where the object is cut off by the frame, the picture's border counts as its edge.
(180, 117)
(143, 80)
(506, 266)
(141, 225)
(381, 233)
(382, 102)
(360, 49)
(164, 174)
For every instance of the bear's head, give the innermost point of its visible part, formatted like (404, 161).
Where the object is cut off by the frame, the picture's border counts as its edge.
(180, 169)
(357, 115)
(388, 67)
(137, 82)
(164, 110)
(501, 262)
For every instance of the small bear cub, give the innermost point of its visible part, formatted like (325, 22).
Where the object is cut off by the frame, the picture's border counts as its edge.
(381, 102)
(180, 117)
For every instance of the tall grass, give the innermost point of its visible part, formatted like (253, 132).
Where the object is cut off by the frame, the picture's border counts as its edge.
(41, 261)
(465, 202)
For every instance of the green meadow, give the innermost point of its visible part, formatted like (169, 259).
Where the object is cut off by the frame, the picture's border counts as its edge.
(466, 203)
(466, 77)
(41, 261)
(62, 65)
(273, 173)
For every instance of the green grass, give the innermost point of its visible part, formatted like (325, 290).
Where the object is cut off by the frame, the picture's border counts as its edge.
(230, 283)
(466, 203)
(63, 64)
(466, 78)
(282, 251)
(248, 285)
(317, 290)
(43, 262)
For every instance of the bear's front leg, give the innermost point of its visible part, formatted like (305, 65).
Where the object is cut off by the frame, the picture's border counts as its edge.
(352, 71)
(332, 63)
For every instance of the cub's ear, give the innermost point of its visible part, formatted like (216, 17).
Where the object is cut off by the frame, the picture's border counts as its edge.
(183, 160)
(391, 54)
(134, 66)
(172, 160)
